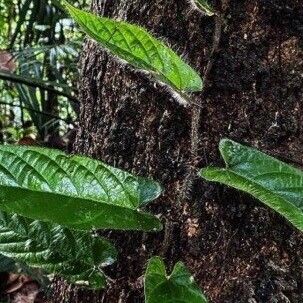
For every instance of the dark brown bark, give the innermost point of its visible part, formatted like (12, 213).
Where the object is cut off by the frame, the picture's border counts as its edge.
(238, 250)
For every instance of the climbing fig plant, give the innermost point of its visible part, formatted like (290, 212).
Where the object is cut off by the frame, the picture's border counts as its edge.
(273, 182)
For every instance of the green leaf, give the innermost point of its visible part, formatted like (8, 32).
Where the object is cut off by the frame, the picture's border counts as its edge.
(204, 6)
(34, 82)
(178, 287)
(73, 191)
(21, 19)
(135, 45)
(275, 183)
(77, 256)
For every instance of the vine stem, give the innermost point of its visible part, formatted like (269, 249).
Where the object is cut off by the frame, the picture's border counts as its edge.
(197, 109)
(195, 123)
(215, 46)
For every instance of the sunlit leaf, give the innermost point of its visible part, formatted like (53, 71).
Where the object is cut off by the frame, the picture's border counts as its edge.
(74, 191)
(135, 45)
(277, 184)
(76, 256)
(177, 287)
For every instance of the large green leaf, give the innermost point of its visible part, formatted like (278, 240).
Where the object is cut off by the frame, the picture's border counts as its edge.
(135, 45)
(277, 184)
(74, 255)
(178, 287)
(74, 191)
(204, 6)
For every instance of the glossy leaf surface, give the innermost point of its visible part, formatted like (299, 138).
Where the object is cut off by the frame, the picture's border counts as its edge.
(135, 45)
(76, 256)
(177, 287)
(73, 191)
(275, 183)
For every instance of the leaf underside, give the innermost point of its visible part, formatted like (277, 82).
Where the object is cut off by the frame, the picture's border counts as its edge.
(73, 191)
(178, 287)
(75, 255)
(275, 183)
(135, 45)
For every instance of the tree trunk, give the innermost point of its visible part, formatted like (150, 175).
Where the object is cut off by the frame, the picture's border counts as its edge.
(237, 249)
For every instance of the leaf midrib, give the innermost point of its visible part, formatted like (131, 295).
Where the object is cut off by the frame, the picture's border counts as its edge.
(251, 180)
(261, 188)
(53, 161)
(145, 63)
(68, 197)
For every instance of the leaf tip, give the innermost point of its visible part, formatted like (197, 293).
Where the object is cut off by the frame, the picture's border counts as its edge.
(158, 227)
(196, 83)
(157, 264)
(204, 6)
(228, 148)
(225, 142)
(68, 7)
(65, 3)
(149, 190)
(207, 173)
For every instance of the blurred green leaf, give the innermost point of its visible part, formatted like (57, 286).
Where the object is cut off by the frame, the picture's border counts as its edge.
(36, 82)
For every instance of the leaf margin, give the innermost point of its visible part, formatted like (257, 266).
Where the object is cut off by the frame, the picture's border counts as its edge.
(35, 244)
(142, 198)
(225, 175)
(194, 85)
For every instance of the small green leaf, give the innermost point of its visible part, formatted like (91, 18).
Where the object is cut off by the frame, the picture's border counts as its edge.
(73, 191)
(275, 183)
(178, 287)
(135, 45)
(204, 6)
(76, 256)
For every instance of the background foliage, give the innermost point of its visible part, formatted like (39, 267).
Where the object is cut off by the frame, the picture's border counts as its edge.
(38, 52)
(39, 49)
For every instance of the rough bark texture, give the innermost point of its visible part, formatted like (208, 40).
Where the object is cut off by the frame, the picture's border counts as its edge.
(237, 249)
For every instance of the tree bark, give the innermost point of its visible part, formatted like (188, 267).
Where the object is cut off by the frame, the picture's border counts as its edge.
(252, 59)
